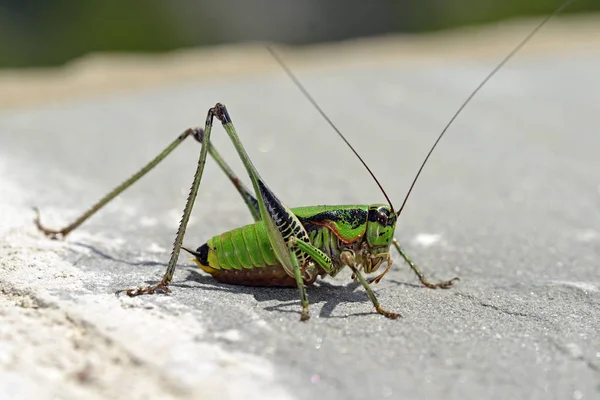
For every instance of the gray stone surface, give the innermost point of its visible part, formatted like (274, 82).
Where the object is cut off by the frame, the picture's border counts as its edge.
(510, 203)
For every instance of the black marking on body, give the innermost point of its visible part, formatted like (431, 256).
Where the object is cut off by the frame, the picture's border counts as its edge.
(354, 217)
(202, 254)
(284, 220)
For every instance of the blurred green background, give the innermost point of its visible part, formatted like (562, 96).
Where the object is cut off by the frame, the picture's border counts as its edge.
(52, 32)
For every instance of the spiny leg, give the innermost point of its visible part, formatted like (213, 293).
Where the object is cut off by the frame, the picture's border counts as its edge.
(285, 256)
(249, 199)
(315, 254)
(198, 134)
(283, 227)
(348, 259)
(304, 316)
(61, 233)
(162, 286)
(439, 285)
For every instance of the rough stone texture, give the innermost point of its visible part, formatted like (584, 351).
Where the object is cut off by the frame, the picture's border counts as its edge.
(510, 202)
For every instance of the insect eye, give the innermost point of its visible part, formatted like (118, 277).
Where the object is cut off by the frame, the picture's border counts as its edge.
(382, 219)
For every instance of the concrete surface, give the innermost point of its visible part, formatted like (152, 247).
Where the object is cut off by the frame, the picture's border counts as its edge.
(510, 202)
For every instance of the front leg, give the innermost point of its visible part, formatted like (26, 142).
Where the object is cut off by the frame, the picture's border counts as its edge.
(425, 282)
(348, 258)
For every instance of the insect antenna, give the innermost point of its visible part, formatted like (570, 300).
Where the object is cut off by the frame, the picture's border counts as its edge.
(329, 121)
(481, 84)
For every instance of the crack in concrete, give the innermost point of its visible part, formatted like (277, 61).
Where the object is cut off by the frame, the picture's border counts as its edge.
(499, 309)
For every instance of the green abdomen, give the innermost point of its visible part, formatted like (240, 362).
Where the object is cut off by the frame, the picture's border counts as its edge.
(245, 247)
(243, 256)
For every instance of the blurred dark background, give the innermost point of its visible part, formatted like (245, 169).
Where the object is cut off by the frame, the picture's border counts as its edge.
(52, 32)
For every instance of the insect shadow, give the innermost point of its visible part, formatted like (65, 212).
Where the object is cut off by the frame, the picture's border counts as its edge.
(322, 292)
(110, 257)
(286, 297)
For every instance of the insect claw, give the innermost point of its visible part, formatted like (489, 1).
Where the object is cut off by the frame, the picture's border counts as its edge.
(375, 280)
(162, 288)
(440, 285)
(50, 233)
(387, 314)
(159, 287)
(304, 316)
(450, 282)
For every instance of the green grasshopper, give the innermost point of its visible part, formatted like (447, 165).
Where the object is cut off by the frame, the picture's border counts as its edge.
(285, 246)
